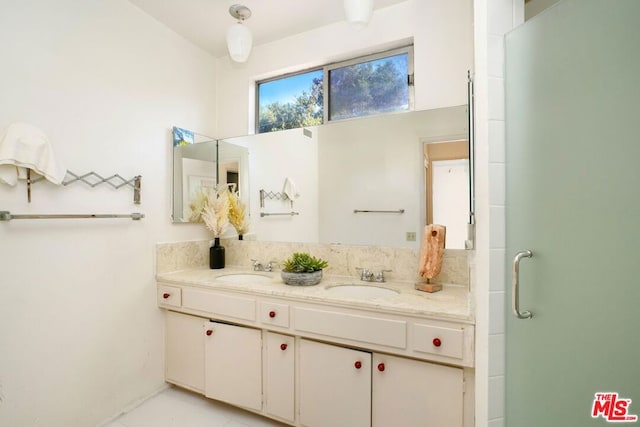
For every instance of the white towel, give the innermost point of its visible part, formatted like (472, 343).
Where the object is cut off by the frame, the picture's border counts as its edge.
(290, 189)
(25, 146)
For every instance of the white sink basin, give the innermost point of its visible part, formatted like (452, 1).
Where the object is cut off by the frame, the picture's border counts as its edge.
(244, 278)
(361, 291)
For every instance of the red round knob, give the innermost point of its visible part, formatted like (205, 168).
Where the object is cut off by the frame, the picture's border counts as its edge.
(166, 295)
(272, 314)
(437, 342)
(283, 346)
(209, 332)
(358, 364)
(381, 367)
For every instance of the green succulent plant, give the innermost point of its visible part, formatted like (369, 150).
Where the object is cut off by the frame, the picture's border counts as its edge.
(302, 262)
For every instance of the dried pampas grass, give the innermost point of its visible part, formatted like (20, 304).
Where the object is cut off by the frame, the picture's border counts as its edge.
(237, 216)
(215, 214)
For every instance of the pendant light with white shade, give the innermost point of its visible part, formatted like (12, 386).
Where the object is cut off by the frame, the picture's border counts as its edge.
(239, 38)
(358, 12)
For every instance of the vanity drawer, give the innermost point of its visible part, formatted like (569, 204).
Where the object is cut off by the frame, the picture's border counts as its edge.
(438, 340)
(169, 296)
(219, 304)
(274, 314)
(366, 329)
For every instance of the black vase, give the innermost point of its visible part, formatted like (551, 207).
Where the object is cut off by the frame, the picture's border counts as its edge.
(216, 255)
(240, 237)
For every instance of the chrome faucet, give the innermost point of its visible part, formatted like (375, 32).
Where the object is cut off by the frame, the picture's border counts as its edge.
(258, 266)
(365, 274)
(379, 276)
(369, 276)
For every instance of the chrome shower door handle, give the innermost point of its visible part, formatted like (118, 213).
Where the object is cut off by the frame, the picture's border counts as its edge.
(515, 303)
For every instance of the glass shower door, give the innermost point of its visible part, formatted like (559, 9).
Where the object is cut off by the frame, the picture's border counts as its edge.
(573, 200)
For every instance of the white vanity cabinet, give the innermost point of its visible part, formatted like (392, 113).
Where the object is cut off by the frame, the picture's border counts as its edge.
(184, 350)
(225, 362)
(279, 376)
(335, 386)
(313, 363)
(413, 393)
(233, 364)
(345, 387)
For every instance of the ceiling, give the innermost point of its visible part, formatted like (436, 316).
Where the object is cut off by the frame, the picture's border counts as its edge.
(205, 22)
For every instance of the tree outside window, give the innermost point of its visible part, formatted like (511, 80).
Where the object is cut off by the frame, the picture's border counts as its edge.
(375, 84)
(291, 102)
(367, 88)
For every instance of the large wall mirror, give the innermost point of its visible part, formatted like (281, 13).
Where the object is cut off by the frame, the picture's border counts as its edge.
(361, 181)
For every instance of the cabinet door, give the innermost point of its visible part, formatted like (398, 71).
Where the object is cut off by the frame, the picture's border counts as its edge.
(412, 393)
(184, 350)
(279, 376)
(335, 386)
(233, 364)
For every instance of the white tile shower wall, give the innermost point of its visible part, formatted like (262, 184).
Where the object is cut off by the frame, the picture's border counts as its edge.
(496, 404)
(497, 138)
(496, 98)
(497, 269)
(497, 223)
(496, 184)
(496, 320)
(502, 16)
(496, 347)
(343, 259)
(496, 55)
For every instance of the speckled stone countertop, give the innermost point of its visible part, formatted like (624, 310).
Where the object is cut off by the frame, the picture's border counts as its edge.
(452, 303)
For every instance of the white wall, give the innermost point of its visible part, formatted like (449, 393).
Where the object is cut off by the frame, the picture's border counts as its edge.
(80, 333)
(443, 43)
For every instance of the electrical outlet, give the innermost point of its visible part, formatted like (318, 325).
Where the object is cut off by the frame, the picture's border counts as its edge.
(411, 236)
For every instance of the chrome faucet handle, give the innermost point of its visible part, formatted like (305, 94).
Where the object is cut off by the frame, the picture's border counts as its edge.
(379, 276)
(257, 266)
(365, 274)
(270, 265)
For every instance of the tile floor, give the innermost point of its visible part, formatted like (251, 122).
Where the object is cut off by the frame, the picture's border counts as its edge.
(175, 407)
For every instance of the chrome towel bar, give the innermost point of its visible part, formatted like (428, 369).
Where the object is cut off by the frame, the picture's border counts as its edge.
(262, 214)
(7, 216)
(399, 211)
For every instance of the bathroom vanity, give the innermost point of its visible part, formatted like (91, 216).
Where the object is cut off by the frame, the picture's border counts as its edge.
(317, 356)
(328, 355)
